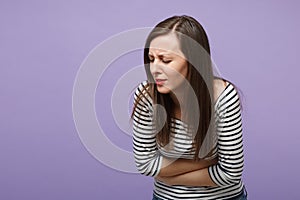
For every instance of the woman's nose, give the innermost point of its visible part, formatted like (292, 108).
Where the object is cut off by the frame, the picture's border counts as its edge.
(155, 67)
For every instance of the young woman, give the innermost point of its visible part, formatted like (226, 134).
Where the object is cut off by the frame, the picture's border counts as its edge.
(187, 127)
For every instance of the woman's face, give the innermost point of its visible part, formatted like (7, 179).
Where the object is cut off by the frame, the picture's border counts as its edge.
(168, 65)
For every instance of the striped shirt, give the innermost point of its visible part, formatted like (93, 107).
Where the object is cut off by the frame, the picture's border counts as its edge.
(226, 174)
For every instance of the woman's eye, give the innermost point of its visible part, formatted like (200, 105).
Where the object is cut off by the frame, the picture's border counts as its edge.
(151, 59)
(166, 61)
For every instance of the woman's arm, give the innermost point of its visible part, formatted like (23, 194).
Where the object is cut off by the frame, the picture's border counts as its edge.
(147, 158)
(172, 167)
(195, 178)
(230, 165)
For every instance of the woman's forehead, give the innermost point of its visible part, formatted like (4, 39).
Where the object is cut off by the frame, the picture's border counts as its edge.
(165, 44)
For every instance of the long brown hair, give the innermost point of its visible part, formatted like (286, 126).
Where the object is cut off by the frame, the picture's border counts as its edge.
(200, 77)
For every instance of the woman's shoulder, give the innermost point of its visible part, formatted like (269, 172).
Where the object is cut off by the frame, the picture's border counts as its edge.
(142, 92)
(225, 92)
(143, 88)
(219, 86)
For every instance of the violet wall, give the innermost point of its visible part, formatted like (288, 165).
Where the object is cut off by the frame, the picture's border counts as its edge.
(255, 44)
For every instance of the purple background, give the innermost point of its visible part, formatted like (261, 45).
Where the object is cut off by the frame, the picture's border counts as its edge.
(254, 43)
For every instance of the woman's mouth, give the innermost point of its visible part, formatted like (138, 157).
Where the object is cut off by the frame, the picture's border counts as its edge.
(160, 81)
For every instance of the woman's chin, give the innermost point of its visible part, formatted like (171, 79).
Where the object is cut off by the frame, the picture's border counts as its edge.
(163, 90)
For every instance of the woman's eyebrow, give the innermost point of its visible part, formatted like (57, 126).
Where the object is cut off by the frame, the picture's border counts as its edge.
(161, 54)
(164, 54)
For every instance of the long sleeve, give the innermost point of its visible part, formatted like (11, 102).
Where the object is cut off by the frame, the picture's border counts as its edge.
(229, 168)
(146, 154)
